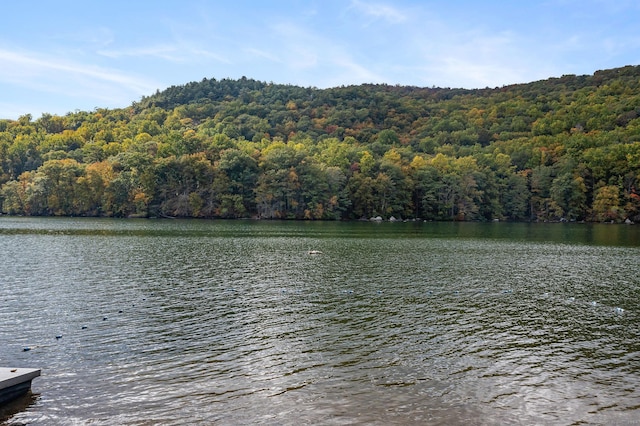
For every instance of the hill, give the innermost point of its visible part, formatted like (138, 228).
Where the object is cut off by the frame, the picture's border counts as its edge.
(564, 148)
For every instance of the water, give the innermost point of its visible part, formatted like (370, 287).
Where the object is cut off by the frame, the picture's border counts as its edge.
(214, 322)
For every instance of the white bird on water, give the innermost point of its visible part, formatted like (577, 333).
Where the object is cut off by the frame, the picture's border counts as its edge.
(314, 252)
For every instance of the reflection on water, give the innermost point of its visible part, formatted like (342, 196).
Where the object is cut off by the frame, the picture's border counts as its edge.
(196, 322)
(11, 408)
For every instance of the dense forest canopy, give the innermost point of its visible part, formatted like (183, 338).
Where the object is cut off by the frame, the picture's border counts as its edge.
(559, 149)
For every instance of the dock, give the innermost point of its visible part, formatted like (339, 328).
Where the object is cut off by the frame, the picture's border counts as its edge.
(15, 382)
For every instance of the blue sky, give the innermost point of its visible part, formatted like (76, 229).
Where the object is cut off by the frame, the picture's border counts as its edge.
(62, 56)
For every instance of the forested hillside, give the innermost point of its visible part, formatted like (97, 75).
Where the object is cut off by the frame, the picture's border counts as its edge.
(560, 149)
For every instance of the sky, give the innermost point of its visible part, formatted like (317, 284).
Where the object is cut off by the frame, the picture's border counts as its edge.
(66, 55)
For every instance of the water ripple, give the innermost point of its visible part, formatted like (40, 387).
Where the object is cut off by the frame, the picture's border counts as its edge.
(236, 330)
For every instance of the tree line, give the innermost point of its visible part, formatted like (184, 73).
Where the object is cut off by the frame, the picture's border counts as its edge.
(559, 149)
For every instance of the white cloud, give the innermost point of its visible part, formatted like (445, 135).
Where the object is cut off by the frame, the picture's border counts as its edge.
(110, 62)
(37, 72)
(299, 48)
(455, 71)
(315, 60)
(166, 52)
(95, 37)
(377, 11)
(177, 53)
(351, 72)
(259, 53)
(14, 110)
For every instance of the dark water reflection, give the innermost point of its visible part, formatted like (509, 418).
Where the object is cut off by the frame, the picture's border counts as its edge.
(22, 403)
(192, 322)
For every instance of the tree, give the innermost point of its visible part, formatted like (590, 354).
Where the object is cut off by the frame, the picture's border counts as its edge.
(242, 171)
(60, 189)
(14, 198)
(514, 197)
(361, 194)
(547, 150)
(568, 195)
(606, 204)
(91, 188)
(427, 186)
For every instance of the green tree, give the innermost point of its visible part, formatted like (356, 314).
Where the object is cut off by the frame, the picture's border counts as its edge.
(606, 204)
(61, 177)
(242, 172)
(361, 193)
(568, 195)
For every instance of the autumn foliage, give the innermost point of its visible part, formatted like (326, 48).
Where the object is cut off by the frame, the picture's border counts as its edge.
(560, 149)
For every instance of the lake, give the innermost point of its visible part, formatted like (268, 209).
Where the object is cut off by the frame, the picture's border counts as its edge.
(178, 322)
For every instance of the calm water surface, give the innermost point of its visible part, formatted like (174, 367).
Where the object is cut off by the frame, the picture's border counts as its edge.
(213, 322)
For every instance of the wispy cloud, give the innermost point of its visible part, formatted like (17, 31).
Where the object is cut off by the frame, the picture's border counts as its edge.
(318, 60)
(165, 52)
(484, 61)
(111, 59)
(299, 47)
(376, 11)
(349, 71)
(34, 71)
(178, 53)
(260, 53)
